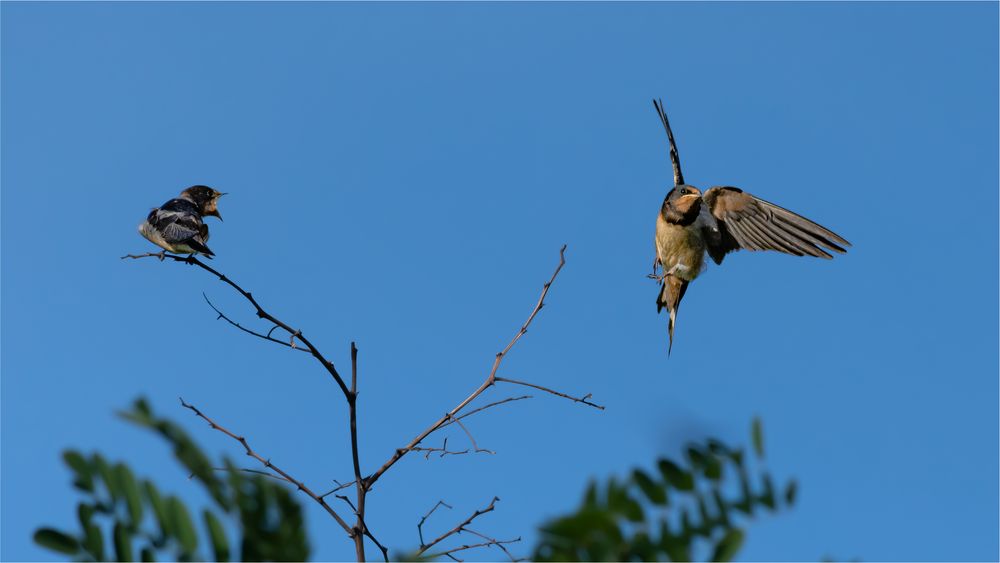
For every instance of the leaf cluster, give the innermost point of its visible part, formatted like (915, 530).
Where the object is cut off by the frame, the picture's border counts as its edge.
(679, 512)
(121, 514)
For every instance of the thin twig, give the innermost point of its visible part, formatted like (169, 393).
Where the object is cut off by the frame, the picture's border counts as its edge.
(471, 439)
(489, 382)
(496, 542)
(420, 525)
(267, 336)
(267, 463)
(584, 400)
(484, 407)
(424, 547)
(489, 542)
(340, 486)
(349, 503)
(443, 449)
(248, 470)
(261, 313)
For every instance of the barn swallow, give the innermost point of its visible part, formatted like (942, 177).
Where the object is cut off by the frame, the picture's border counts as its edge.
(177, 225)
(722, 220)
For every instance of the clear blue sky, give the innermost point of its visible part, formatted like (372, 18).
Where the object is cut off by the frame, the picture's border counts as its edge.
(403, 176)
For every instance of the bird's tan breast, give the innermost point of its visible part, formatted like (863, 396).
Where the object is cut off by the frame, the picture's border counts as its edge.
(677, 244)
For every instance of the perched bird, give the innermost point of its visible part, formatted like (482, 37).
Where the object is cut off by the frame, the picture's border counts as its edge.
(719, 221)
(177, 225)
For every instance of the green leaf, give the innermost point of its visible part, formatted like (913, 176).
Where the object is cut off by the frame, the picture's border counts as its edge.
(123, 542)
(767, 496)
(655, 492)
(147, 554)
(57, 541)
(220, 545)
(791, 490)
(640, 548)
(82, 478)
(108, 476)
(721, 507)
(737, 457)
(680, 479)
(93, 542)
(706, 518)
(675, 547)
(728, 546)
(757, 432)
(696, 457)
(84, 513)
(717, 447)
(713, 467)
(746, 503)
(130, 490)
(159, 509)
(590, 496)
(180, 522)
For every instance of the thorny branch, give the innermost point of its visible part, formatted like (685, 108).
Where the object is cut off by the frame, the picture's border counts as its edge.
(267, 463)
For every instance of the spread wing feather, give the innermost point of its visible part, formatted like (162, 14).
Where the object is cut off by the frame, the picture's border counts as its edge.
(748, 222)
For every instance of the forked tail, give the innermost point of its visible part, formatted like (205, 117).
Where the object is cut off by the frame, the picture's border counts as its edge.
(671, 293)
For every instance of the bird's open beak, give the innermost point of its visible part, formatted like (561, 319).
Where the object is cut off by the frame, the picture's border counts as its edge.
(215, 207)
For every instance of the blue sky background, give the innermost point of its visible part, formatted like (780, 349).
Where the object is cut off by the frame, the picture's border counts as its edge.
(404, 175)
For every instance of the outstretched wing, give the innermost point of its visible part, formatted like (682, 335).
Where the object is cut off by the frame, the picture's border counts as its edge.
(745, 221)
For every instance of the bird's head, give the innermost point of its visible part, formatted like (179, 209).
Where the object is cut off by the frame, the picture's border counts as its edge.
(205, 198)
(682, 204)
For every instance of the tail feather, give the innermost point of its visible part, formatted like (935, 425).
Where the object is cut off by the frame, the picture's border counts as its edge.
(199, 246)
(671, 293)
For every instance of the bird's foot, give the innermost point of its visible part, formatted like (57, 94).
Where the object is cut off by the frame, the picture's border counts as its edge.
(678, 267)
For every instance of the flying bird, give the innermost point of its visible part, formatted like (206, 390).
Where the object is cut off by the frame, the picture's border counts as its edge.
(177, 225)
(721, 220)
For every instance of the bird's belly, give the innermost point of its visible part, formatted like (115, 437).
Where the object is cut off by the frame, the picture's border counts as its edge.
(154, 236)
(676, 244)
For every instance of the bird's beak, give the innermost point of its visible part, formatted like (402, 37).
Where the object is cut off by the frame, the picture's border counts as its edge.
(215, 207)
(690, 196)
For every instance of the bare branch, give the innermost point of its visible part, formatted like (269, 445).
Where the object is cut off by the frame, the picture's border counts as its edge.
(496, 542)
(489, 542)
(484, 407)
(267, 336)
(443, 449)
(420, 525)
(471, 439)
(584, 400)
(340, 486)
(459, 528)
(261, 313)
(247, 470)
(267, 463)
(489, 382)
